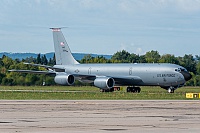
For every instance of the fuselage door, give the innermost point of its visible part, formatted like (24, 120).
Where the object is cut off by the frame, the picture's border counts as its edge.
(90, 71)
(130, 71)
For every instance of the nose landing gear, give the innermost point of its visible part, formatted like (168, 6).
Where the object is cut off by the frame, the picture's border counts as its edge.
(171, 89)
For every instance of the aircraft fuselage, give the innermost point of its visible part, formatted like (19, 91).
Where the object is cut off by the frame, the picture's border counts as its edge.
(142, 74)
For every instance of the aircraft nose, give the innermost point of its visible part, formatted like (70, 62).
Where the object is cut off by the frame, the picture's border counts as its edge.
(186, 75)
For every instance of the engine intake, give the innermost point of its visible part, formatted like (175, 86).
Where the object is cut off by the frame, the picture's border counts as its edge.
(104, 82)
(64, 79)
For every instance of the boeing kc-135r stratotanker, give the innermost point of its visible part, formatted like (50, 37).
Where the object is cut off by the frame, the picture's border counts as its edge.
(107, 76)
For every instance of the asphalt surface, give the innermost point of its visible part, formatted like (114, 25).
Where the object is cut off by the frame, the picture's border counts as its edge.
(61, 116)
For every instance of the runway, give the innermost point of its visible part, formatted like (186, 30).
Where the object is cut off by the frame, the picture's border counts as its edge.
(77, 116)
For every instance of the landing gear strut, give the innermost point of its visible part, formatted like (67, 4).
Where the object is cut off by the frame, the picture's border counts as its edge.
(133, 89)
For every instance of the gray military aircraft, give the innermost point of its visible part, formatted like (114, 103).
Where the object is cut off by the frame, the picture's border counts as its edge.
(106, 76)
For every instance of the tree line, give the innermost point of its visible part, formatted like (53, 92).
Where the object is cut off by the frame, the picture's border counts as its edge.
(191, 63)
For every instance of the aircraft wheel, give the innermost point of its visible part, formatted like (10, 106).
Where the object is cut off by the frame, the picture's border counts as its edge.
(138, 90)
(111, 90)
(134, 89)
(128, 89)
(102, 90)
(171, 90)
(107, 90)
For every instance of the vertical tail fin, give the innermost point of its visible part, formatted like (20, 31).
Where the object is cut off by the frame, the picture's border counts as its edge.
(62, 50)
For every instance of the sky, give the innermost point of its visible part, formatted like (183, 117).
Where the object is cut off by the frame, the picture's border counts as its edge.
(102, 26)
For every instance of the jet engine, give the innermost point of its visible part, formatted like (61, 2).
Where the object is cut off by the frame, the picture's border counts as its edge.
(64, 79)
(104, 82)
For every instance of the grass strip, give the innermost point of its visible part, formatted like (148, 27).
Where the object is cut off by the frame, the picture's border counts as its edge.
(91, 93)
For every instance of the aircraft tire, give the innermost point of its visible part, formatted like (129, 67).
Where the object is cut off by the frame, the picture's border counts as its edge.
(134, 89)
(171, 90)
(111, 90)
(138, 90)
(128, 89)
(107, 90)
(101, 90)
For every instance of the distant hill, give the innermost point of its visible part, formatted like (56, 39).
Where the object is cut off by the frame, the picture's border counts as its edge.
(77, 56)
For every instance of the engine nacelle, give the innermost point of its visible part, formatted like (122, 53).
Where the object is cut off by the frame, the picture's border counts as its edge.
(104, 82)
(64, 79)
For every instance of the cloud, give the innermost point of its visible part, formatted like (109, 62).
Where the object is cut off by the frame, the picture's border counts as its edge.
(102, 7)
(139, 51)
(123, 5)
(127, 21)
(188, 5)
(132, 48)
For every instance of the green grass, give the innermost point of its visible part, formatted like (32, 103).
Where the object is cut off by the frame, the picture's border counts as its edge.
(89, 93)
(50, 88)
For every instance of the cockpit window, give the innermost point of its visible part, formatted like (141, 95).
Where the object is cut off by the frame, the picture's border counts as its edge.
(183, 69)
(180, 70)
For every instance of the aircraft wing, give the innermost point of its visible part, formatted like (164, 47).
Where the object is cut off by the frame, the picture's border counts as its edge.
(127, 80)
(50, 73)
(124, 80)
(85, 78)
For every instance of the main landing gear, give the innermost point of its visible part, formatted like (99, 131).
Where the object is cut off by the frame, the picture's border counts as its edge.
(133, 89)
(107, 90)
(128, 89)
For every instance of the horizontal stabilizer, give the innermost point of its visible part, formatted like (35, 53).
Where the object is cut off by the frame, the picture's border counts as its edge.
(57, 69)
(34, 72)
(45, 66)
